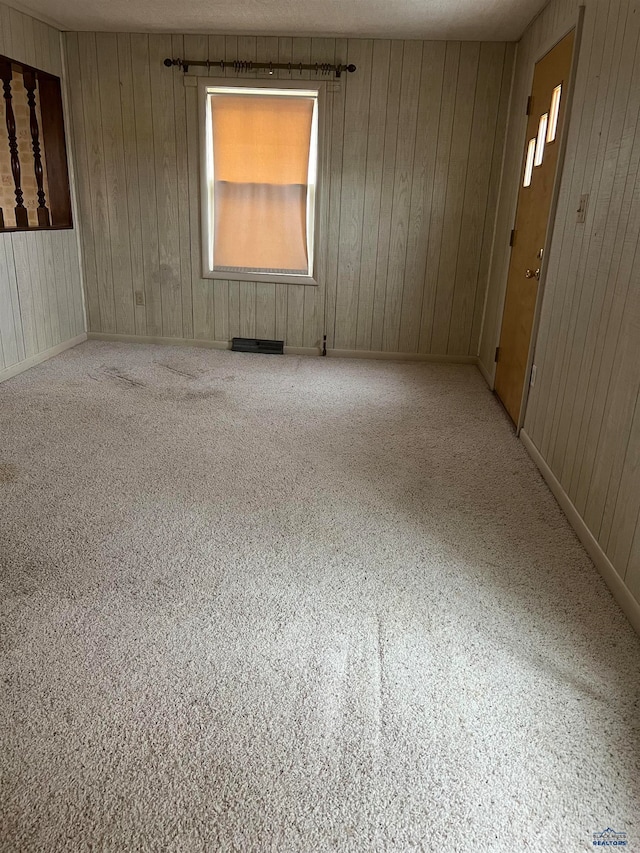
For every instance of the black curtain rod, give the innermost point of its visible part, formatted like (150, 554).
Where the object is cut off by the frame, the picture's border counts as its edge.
(240, 65)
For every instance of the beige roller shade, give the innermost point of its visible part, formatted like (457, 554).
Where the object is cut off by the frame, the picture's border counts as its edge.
(261, 147)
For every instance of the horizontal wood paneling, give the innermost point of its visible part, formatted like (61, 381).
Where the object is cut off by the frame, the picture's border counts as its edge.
(583, 414)
(40, 285)
(413, 180)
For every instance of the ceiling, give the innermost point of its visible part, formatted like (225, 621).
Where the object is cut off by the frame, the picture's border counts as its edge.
(490, 20)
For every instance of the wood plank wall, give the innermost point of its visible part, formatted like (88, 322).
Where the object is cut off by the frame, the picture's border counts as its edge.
(415, 157)
(40, 285)
(584, 413)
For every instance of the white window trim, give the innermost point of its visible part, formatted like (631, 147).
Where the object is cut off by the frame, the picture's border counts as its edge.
(206, 83)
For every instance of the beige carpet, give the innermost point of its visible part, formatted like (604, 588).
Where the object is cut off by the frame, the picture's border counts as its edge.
(263, 603)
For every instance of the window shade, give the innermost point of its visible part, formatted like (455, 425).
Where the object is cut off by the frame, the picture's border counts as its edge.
(261, 148)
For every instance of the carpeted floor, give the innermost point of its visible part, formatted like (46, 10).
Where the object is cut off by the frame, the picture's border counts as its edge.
(262, 603)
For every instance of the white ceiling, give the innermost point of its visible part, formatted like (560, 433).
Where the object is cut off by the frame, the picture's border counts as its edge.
(490, 20)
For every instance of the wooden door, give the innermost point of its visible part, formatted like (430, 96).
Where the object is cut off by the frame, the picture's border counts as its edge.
(546, 112)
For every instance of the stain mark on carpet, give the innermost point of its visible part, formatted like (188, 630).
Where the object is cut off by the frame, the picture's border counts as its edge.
(8, 472)
(201, 394)
(116, 373)
(177, 370)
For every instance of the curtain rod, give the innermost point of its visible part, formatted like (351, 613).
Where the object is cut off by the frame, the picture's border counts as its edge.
(241, 65)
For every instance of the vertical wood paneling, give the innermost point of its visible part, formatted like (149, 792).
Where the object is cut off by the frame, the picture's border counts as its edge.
(143, 133)
(53, 306)
(281, 311)
(221, 317)
(234, 309)
(354, 152)
(75, 278)
(166, 176)
(247, 309)
(10, 324)
(40, 286)
(184, 219)
(454, 204)
(617, 375)
(427, 128)
(373, 189)
(208, 323)
(230, 53)
(295, 315)
(5, 30)
(96, 178)
(386, 197)
(492, 208)
(584, 255)
(584, 413)
(266, 311)
(39, 271)
(112, 142)
(612, 211)
(400, 184)
(322, 50)
(131, 187)
(18, 246)
(18, 43)
(85, 207)
(300, 53)
(71, 282)
(336, 118)
(37, 281)
(42, 42)
(60, 292)
(62, 282)
(36, 43)
(216, 50)
(632, 570)
(474, 211)
(401, 203)
(439, 193)
(13, 347)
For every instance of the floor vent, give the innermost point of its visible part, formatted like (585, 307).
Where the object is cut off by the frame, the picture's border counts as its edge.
(257, 345)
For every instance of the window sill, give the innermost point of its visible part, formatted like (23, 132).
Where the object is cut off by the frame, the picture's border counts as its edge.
(269, 279)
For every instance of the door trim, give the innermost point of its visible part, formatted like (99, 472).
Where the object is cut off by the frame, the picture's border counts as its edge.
(553, 208)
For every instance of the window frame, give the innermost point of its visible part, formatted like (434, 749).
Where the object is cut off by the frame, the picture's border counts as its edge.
(205, 84)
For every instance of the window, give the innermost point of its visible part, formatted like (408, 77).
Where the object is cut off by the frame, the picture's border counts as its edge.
(34, 179)
(260, 180)
(528, 166)
(555, 112)
(542, 135)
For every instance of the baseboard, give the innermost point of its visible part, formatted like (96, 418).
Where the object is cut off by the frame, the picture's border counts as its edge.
(27, 363)
(147, 339)
(488, 378)
(619, 590)
(402, 356)
(312, 351)
(186, 342)
(302, 351)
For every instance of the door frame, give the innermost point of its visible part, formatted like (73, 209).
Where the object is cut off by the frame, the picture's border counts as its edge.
(562, 148)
